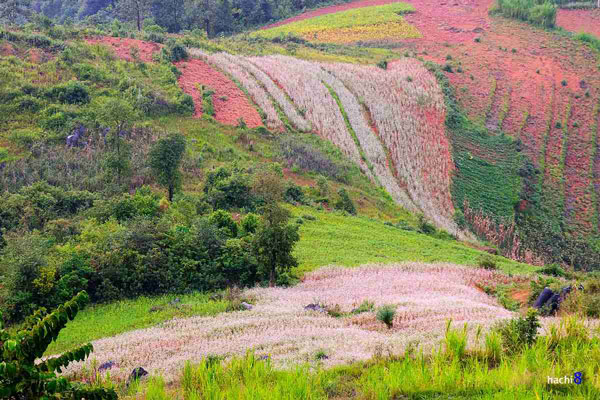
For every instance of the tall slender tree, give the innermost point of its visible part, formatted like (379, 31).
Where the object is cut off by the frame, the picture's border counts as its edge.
(165, 159)
(134, 10)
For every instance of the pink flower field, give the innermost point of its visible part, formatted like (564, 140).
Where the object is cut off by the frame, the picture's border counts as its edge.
(426, 296)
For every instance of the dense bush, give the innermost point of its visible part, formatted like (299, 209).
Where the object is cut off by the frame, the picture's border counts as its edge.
(23, 376)
(538, 12)
(31, 207)
(227, 190)
(345, 202)
(71, 92)
(518, 332)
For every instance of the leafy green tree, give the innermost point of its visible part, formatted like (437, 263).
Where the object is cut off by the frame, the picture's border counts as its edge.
(22, 376)
(165, 159)
(12, 11)
(134, 10)
(119, 116)
(274, 242)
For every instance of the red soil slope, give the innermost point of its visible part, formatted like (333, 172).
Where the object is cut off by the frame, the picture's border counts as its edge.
(579, 20)
(229, 101)
(523, 80)
(122, 47)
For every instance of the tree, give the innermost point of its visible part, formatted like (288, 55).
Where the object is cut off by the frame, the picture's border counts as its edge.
(169, 13)
(13, 11)
(165, 159)
(274, 242)
(136, 10)
(119, 116)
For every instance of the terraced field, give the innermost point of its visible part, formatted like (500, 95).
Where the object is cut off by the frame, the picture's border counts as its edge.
(400, 143)
(359, 24)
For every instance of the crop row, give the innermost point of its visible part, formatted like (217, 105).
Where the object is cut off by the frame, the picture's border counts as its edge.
(227, 63)
(302, 82)
(395, 132)
(407, 107)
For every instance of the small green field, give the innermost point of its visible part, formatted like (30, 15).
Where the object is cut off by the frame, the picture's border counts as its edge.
(105, 320)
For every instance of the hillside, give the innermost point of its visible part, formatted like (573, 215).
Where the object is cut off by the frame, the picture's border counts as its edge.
(365, 200)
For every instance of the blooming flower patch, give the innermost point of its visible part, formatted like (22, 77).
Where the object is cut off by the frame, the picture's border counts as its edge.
(360, 24)
(425, 297)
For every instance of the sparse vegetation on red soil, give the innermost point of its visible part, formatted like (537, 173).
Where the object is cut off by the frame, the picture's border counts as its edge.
(579, 20)
(532, 84)
(525, 81)
(122, 47)
(229, 101)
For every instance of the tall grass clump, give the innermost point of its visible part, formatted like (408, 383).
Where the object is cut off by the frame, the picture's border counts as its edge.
(538, 12)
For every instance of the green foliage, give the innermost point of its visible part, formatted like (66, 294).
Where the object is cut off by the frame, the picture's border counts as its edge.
(249, 224)
(223, 220)
(294, 194)
(487, 262)
(425, 226)
(537, 12)
(71, 92)
(590, 40)
(274, 241)
(553, 270)
(226, 190)
(22, 377)
(165, 160)
(386, 315)
(207, 101)
(519, 332)
(345, 202)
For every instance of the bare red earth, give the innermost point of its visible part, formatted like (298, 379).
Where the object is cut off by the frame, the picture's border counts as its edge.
(229, 101)
(536, 74)
(122, 47)
(579, 20)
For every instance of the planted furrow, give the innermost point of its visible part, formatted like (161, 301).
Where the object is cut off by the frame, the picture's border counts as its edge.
(302, 82)
(276, 92)
(579, 205)
(260, 97)
(553, 187)
(499, 93)
(367, 141)
(595, 166)
(407, 107)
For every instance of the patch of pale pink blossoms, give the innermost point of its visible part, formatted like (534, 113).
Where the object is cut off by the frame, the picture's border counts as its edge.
(425, 296)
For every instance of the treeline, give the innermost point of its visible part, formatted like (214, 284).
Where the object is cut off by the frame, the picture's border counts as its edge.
(212, 16)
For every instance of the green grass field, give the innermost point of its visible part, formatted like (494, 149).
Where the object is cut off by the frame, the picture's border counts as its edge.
(350, 241)
(105, 320)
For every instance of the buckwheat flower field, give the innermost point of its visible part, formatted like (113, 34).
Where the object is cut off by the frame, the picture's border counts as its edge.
(390, 122)
(426, 296)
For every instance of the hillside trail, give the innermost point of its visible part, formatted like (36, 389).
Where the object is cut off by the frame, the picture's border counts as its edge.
(230, 102)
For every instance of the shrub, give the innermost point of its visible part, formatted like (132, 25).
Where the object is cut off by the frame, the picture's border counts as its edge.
(537, 12)
(383, 64)
(71, 92)
(22, 377)
(386, 315)
(223, 220)
(518, 332)
(345, 203)
(294, 194)
(425, 226)
(249, 224)
(553, 270)
(486, 261)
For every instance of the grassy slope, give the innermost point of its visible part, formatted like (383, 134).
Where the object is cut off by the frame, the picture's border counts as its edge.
(350, 241)
(104, 320)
